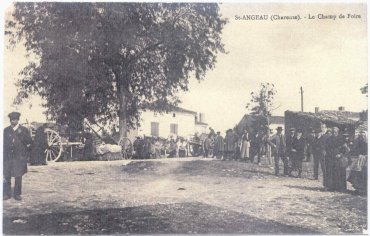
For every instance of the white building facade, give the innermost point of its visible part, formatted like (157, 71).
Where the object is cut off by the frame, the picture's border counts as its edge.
(179, 122)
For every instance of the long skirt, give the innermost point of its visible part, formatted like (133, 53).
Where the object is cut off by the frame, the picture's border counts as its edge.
(339, 175)
(329, 173)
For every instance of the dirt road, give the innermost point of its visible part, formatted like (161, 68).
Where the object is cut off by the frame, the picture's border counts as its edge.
(185, 195)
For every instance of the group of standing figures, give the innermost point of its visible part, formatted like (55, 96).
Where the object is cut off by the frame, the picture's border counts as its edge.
(330, 148)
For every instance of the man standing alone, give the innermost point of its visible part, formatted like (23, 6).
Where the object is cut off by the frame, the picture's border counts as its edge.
(17, 142)
(278, 140)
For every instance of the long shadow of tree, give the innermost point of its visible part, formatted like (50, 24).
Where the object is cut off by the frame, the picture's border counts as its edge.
(181, 218)
(223, 169)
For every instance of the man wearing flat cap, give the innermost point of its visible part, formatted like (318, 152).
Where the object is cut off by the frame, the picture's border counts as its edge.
(16, 149)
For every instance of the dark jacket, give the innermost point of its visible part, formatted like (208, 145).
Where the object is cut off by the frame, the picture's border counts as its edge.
(40, 144)
(319, 146)
(289, 143)
(299, 146)
(279, 142)
(16, 150)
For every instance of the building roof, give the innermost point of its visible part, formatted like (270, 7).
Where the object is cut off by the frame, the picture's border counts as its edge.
(326, 116)
(277, 120)
(250, 122)
(343, 114)
(172, 109)
(179, 109)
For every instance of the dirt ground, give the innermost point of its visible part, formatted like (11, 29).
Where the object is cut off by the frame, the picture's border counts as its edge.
(182, 195)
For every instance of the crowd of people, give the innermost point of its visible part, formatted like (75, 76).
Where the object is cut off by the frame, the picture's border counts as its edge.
(330, 148)
(154, 147)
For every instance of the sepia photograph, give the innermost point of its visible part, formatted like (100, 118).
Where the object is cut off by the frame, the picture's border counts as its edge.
(228, 118)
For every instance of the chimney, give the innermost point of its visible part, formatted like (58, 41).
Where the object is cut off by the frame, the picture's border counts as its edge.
(341, 108)
(201, 117)
(317, 109)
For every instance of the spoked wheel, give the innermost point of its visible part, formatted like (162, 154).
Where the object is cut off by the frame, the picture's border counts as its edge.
(126, 148)
(54, 149)
(210, 152)
(195, 150)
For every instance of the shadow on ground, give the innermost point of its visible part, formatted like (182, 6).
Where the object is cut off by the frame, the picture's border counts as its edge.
(181, 218)
(224, 169)
(308, 188)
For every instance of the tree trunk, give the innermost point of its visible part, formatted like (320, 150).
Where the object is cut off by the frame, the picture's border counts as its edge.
(122, 113)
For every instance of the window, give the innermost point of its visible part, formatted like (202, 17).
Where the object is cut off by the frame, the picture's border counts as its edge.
(174, 128)
(154, 129)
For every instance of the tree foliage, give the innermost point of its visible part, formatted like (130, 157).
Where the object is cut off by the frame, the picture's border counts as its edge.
(106, 60)
(262, 101)
(364, 89)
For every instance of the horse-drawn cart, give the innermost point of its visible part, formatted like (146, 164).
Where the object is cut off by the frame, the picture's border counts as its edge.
(196, 145)
(59, 140)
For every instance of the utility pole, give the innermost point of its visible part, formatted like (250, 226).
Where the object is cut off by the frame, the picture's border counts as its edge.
(301, 99)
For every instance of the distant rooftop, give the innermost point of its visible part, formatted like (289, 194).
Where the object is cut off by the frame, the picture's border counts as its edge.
(333, 116)
(179, 109)
(344, 114)
(277, 120)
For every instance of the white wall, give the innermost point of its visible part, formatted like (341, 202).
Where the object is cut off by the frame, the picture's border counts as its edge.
(274, 126)
(201, 129)
(185, 122)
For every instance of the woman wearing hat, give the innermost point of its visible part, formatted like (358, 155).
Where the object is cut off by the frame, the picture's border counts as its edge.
(17, 142)
(358, 174)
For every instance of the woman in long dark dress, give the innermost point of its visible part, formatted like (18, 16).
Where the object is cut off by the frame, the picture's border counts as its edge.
(337, 150)
(358, 174)
(341, 163)
(38, 148)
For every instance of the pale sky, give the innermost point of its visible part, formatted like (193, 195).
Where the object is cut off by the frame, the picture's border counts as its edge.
(327, 57)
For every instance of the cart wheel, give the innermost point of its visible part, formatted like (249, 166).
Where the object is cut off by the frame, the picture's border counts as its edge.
(210, 152)
(54, 149)
(126, 150)
(194, 150)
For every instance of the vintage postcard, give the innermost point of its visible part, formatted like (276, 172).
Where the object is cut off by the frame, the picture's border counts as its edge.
(184, 118)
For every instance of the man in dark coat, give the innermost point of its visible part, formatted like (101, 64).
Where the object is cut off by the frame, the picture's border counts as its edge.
(309, 142)
(219, 146)
(279, 147)
(89, 150)
(16, 149)
(137, 147)
(40, 144)
(230, 142)
(289, 140)
(207, 145)
(319, 152)
(298, 146)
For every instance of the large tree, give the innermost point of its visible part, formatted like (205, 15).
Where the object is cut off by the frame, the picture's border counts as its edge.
(364, 89)
(262, 101)
(106, 60)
